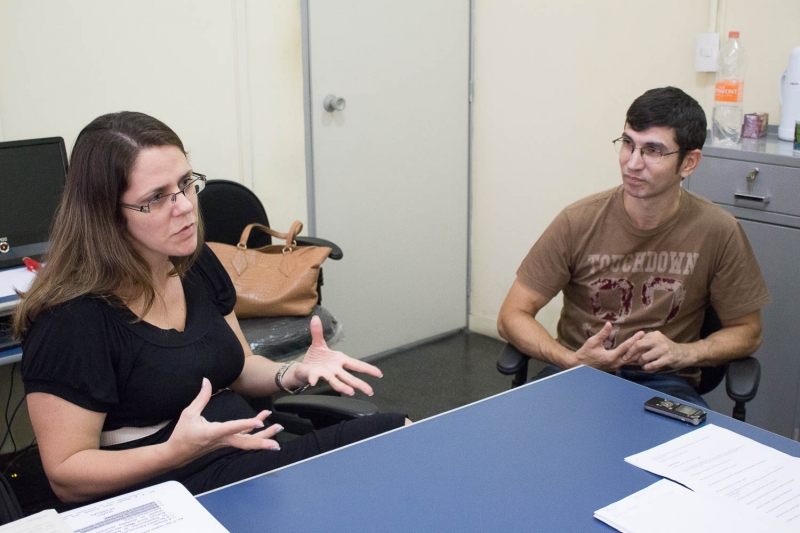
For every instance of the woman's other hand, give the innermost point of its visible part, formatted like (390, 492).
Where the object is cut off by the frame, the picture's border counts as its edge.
(194, 436)
(320, 362)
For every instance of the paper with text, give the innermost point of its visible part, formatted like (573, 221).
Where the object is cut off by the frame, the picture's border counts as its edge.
(44, 522)
(165, 508)
(666, 507)
(723, 464)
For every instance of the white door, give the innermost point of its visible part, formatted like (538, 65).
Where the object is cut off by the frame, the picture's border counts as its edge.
(390, 171)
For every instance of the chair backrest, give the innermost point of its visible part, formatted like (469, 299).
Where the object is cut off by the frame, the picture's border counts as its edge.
(227, 208)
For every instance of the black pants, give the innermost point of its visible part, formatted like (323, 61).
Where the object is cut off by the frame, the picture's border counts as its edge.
(244, 464)
(229, 465)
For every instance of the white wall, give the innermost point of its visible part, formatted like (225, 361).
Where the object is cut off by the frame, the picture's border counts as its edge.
(276, 109)
(65, 63)
(552, 83)
(225, 75)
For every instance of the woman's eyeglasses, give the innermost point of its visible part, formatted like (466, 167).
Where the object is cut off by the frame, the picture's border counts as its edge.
(190, 188)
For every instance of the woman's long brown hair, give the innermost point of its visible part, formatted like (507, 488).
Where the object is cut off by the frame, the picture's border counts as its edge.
(90, 252)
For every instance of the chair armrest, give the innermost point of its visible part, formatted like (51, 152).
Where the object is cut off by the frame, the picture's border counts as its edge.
(510, 361)
(323, 410)
(336, 252)
(742, 378)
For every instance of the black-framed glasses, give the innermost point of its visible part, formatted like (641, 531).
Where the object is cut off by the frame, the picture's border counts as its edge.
(190, 188)
(650, 154)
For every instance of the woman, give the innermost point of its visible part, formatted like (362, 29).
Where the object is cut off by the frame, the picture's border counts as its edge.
(133, 362)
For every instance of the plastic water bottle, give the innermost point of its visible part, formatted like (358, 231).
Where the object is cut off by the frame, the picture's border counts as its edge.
(729, 90)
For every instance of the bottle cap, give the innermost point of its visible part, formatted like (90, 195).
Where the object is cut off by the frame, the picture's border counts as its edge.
(733, 35)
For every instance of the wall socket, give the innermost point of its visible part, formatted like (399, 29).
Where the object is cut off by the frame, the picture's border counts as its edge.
(706, 52)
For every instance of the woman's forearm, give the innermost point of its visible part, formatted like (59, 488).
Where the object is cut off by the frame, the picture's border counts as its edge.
(78, 470)
(91, 474)
(258, 377)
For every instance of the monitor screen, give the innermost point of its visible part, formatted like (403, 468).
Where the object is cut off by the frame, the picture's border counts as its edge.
(32, 177)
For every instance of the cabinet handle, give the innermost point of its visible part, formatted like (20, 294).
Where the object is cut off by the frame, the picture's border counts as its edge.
(752, 197)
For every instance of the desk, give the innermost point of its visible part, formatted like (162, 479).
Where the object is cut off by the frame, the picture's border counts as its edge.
(9, 278)
(11, 355)
(541, 457)
(7, 306)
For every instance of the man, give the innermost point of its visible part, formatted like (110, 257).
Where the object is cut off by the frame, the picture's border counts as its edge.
(639, 264)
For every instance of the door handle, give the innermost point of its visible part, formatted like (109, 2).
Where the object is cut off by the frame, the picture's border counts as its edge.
(333, 103)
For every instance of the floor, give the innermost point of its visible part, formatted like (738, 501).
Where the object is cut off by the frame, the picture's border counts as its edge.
(439, 376)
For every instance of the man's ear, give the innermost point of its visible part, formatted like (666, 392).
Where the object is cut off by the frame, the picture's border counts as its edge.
(690, 162)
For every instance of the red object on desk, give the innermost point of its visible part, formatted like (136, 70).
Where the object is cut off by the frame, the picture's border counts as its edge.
(31, 264)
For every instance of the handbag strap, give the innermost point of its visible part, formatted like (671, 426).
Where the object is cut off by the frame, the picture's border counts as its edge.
(289, 237)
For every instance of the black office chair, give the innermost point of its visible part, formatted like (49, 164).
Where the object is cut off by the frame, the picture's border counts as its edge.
(742, 375)
(226, 208)
(9, 506)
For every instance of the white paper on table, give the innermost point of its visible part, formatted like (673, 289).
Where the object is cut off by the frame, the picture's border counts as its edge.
(166, 508)
(723, 464)
(44, 522)
(19, 278)
(666, 507)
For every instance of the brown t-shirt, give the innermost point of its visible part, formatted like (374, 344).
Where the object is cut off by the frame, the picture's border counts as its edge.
(659, 279)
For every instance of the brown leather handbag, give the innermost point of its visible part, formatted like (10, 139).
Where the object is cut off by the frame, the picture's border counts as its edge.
(274, 280)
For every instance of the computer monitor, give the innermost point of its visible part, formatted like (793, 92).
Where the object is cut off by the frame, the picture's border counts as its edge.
(32, 177)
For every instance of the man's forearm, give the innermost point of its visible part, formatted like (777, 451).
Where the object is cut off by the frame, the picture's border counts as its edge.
(532, 339)
(737, 338)
(729, 343)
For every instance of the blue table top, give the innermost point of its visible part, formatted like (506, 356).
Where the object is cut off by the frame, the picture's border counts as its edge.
(541, 457)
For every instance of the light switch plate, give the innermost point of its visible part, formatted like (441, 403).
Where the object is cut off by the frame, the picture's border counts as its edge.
(706, 52)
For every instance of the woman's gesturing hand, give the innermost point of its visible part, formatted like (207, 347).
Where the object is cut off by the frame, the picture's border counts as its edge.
(194, 436)
(320, 362)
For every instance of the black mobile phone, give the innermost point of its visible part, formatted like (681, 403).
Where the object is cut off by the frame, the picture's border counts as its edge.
(678, 411)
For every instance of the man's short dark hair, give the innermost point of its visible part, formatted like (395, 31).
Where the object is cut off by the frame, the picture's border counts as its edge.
(670, 107)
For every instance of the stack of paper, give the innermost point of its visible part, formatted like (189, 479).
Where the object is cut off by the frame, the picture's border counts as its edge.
(666, 507)
(730, 475)
(166, 508)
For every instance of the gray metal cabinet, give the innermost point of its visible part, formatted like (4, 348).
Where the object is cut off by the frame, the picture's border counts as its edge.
(759, 183)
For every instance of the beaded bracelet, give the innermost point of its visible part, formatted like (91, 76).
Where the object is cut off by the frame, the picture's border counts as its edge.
(279, 379)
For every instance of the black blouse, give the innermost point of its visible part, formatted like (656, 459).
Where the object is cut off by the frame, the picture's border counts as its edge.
(91, 352)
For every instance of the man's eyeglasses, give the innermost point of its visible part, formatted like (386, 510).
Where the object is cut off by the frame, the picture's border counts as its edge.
(190, 188)
(650, 154)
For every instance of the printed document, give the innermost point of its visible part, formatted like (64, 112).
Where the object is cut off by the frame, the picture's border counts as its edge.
(165, 508)
(666, 507)
(720, 463)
